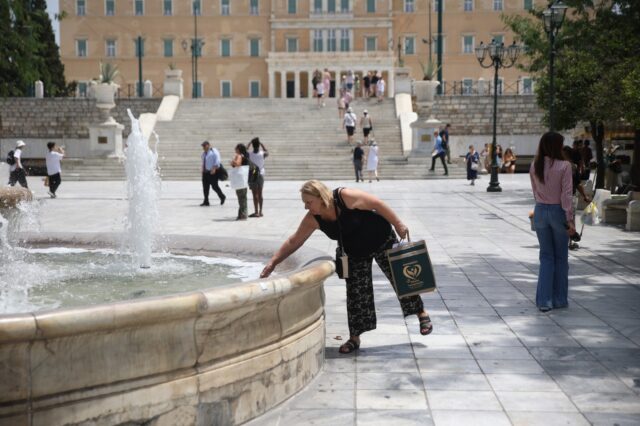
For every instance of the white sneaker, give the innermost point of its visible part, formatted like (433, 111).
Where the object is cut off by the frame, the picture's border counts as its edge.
(51, 194)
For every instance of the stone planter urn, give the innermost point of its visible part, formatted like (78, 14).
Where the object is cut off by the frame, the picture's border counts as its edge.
(105, 94)
(425, 90)
(172, 74)
(173, 83)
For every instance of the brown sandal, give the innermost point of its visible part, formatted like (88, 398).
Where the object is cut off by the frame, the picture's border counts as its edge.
(349, 346)
(425, 325)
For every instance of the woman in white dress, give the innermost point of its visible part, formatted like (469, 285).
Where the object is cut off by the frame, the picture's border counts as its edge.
(372, 161)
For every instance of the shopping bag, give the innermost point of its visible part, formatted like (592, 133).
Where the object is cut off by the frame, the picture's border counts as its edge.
(239, 177)
(411, 269)
(590, 214)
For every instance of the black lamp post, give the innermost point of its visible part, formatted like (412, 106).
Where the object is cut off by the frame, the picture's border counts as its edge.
(553, 17)
(498, 56)
(196, 46)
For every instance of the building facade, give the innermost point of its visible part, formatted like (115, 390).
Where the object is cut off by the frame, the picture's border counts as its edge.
(260, 48)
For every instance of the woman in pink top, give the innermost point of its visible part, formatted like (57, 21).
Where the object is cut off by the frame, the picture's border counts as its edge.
(552, 186)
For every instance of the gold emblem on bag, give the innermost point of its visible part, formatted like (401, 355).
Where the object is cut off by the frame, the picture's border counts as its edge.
(412, 271)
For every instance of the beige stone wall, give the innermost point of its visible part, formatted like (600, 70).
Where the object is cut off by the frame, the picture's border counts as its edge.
(482, 23)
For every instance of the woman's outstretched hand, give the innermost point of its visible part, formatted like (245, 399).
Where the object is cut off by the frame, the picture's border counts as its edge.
(402, 230)
(267, 270)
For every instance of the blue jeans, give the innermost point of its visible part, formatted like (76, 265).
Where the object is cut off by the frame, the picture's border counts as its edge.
(553, 278)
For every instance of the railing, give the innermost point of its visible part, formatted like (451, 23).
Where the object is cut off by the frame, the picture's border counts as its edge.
(130, 91)
(485, 88)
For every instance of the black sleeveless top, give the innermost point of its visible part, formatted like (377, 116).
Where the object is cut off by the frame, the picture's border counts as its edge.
(363, 231)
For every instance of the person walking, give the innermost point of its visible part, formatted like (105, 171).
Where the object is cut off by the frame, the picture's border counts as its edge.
(367, 125)
(473, 164)
(358, 156)
(320, 93)
(438, 152)
(366, 86)
(374, 84)
(257, 153)
(54, 169)
(211, 163)
(380, 87)
(241, 158)
(341, 107)
(552, 186)
(16, 171)
(372, 161)
(349, 123)
(444, 134)
(365, 223)
(326, 80)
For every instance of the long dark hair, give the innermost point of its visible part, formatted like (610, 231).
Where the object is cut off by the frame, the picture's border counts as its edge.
(242, 150)
(255, 142)
(550, 146)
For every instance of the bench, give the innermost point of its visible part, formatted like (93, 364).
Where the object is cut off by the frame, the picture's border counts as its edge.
(620, 210)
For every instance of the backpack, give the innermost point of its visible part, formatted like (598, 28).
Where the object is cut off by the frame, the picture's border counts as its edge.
(254, 172)
(11, 160)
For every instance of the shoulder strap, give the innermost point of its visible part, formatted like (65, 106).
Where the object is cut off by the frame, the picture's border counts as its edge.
(337, 199)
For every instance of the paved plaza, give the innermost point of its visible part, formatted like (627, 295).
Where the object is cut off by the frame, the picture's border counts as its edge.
(492, 359)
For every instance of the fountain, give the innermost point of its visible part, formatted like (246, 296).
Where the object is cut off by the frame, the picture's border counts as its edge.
(201, 351)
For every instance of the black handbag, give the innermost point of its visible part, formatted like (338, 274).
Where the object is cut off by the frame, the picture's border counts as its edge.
(222, 173)
(342, 260)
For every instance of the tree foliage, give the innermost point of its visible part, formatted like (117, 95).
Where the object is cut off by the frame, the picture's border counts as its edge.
(596, 66)
(28, 51)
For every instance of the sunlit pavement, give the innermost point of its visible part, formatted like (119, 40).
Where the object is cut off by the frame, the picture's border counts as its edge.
(492, 358)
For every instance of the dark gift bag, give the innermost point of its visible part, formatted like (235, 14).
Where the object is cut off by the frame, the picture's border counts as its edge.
(411, 269)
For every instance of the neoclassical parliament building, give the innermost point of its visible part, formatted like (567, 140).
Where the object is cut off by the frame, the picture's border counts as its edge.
(270, 48)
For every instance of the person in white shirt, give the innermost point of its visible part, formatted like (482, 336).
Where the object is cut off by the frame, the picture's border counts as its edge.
(380, 88)
(372, 161)
(53, 158)
(349, 123)
(320, 93)
(257, 153)
(16, 171)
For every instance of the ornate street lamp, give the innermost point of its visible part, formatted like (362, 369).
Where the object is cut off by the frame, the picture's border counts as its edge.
(498, 56)
(553, 17)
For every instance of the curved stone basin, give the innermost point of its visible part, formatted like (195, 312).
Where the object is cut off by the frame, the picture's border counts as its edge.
(217, 356)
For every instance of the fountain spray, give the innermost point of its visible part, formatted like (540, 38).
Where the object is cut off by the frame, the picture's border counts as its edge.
(143, 190)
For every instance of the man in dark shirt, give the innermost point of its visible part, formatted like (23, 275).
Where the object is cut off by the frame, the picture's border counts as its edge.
(358, 154)
(587, 157)
(576, 156)
(444, 134)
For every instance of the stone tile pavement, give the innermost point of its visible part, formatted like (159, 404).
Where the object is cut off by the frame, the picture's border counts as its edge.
(492, 359)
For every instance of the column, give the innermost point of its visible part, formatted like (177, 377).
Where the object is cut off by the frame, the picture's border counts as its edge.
(338, 80)
(391, 85)
(310, 83)
(296, 84)
(283, 84)
(272, 84)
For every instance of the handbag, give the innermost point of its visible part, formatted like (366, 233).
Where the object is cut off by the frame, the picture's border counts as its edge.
(411, 268)
(222, 173)
(474, 166)
(238, 177)
(342, 260)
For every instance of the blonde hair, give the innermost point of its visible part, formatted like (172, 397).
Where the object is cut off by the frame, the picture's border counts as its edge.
(315, 188)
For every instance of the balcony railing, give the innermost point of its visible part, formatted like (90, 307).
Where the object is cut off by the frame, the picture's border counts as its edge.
(485, 88)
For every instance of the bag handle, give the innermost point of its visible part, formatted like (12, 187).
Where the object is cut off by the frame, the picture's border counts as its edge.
(336, 193)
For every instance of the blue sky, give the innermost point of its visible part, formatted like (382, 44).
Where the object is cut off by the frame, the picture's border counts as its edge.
(52, 8)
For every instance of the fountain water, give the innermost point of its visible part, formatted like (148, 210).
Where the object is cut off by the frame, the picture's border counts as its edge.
(143, 190)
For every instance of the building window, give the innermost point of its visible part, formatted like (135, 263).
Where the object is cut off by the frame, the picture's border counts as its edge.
(225, 47)
(254, 8)
(467, 86)
(497, 5)
(138, 48)
(254, 47)
(109, 7)
(167, 45)
(197, 7)
(528, 4)
(82, 89)
(81, 48)
(331, 41)
(468, 5)
(292, 44)
(467, 44)
(345, 40)
(139, 7)
(292, 7)
(317, 41)
(526, 87)
(344, 6)
(371, 6)
(409, 45)
(409, 6)
(225, 88)
(331, 6)
(81, 9)
(370, 44)
(435, 5)
(317, 6)
(499, 39)
(110, 48)
(167, 7)
(224, 7)
(254, 88)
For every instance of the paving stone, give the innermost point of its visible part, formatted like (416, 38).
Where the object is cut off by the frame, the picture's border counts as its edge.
(390, 400)
(608, 402)
(389, 381)
(393, 417)
(463, 400)
(608, 419)
(527, 418)
(501, 366)
(469, 417)
(452, 381)
(522, 382)
(535, 401)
